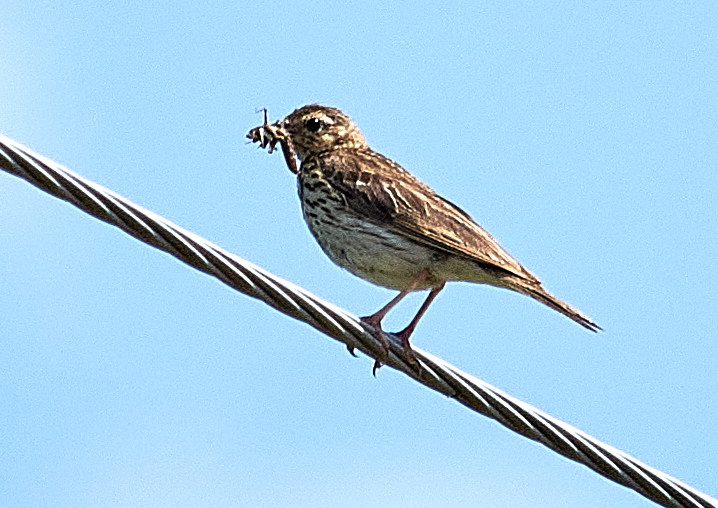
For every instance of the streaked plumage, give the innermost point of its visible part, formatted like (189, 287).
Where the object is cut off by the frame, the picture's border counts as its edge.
(381, 223)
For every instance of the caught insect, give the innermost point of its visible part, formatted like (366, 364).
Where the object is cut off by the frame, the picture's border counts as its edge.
(268, 135)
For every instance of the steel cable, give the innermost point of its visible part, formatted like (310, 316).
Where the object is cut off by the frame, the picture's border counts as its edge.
(337, 323)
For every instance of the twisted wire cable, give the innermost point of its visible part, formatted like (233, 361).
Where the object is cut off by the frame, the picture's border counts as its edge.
(337, 323)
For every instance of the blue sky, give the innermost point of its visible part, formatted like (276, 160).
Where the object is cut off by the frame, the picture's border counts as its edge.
(583, 137)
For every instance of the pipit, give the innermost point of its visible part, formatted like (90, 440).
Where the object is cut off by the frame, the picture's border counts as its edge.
(375, 219)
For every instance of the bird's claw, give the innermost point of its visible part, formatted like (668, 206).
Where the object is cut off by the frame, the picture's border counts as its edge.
(378, 334)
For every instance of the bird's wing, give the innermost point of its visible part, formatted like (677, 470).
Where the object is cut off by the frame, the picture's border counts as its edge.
(379, 189)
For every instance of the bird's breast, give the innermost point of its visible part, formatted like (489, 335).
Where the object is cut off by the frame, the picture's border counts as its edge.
(367, 250)
(374, 250)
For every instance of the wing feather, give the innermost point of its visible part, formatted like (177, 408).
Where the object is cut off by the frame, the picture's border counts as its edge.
(399, 199)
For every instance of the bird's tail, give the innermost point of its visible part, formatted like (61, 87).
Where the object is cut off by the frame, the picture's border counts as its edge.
(537, 292)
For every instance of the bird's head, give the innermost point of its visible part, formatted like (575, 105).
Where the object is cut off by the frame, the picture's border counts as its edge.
(314, 129)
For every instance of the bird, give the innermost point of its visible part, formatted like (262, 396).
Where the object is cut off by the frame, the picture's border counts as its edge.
(382, 224)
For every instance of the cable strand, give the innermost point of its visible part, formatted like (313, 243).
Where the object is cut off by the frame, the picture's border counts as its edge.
(337, 323)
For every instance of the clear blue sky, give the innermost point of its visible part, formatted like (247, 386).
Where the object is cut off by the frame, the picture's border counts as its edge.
(582, 137)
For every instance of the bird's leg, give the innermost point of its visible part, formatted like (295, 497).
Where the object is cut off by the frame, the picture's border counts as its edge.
(375, 319)
(406, 332)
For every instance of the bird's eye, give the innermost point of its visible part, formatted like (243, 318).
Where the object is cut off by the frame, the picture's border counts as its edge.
(313, 124)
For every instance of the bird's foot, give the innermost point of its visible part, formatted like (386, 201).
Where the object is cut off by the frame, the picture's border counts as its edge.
(381, 337)
(404, 337)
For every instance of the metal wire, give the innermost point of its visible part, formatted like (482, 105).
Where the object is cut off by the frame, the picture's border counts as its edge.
(346, 328)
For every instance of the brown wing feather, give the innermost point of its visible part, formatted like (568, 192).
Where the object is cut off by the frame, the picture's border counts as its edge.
(379, 189)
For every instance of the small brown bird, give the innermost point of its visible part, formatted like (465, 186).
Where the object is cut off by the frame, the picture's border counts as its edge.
(381, 223)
